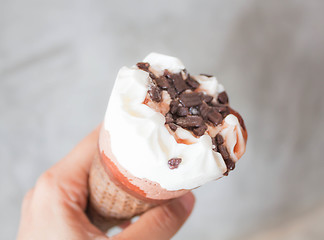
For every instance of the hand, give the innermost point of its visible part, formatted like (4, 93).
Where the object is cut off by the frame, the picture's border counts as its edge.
(55, 207)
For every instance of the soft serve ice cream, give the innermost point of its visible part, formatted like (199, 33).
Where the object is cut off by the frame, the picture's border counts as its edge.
(169, 129)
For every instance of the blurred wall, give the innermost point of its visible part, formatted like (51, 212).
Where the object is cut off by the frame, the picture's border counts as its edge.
(58, 61)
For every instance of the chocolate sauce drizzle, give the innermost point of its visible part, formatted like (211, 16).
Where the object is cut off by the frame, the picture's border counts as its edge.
(190, 109)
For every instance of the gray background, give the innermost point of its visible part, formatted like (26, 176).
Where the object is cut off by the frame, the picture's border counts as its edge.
(59, 59)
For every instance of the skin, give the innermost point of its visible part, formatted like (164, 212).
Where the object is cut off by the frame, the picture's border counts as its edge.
(55, 207)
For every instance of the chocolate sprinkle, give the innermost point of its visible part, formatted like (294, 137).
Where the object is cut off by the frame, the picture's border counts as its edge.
(215, 117)
(204, 110)
(191, 110)
(179, 83)
(182, 111)
(192, 82)
(190, 99)
(162, 82)
(222, 98)
(168, 118)
(199, 131)
(190, 121)
(223, 151)
(155, 93)
(143, 66)
(174, 163)
(219, 139)
(207, 98)
(174, 105)
(173, 127)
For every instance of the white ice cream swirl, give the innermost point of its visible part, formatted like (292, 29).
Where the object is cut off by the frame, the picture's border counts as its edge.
(143, 145)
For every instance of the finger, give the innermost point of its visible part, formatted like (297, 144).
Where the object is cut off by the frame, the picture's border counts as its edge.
(162, 222)
(70, 175)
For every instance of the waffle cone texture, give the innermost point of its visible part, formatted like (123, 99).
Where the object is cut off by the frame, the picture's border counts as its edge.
(109, 204)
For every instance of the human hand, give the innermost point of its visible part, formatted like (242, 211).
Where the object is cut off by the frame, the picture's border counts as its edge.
(55, 207)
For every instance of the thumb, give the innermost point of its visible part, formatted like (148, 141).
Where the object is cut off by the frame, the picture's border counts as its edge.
(161, 222)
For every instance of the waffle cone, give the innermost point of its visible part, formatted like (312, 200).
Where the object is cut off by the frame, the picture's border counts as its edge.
(109, 205)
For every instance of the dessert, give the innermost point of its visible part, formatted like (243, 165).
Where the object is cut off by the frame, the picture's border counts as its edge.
(165, 132)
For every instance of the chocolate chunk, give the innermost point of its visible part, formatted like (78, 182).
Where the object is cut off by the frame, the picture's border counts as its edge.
(204, 110)
(219, 139)
(171, 90)
(155, 93)
(173, 127)
(182, 111)
(152, 75)
(207, 98)
(222, 98)
(206, 75)
(190, 121)
(192, 83)
(143, 66)
(162, 82)
(194, 111)
(230, 164)
(174, 105)
(215, 117)
(199, 131)
(168, 118)
(174, 162)
(179, 83)
(190, 99)
(223, 151)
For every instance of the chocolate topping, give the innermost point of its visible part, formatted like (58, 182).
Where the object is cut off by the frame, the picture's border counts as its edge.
(190, 121)
(155, 93)
(190, 99)
(219, 139)
(214, 116)
(207, 98)
(143, 66)
(173, 127)
(191, 110)
(222, 98)
(179, 84)
(168, 118)
(182, 111)
(199, 131)
(223, 151)
(192, 82)
(162, 82)
(174, 162)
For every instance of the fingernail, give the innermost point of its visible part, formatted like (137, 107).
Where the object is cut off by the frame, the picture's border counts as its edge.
(187, 201)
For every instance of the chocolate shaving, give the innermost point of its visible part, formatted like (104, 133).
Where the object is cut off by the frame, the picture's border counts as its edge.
(204, 110)
(219, 139)
(171, 90)
(143, 66)
(199, 131)
(174, 162)
(162, 82)
(230, 164)
(190, 99)
(155, 93)
(174, 105)
(190, 121)
(173, 127)
(223, 151)
(215, 117)
(222, 98)
(179, 83)
(207, 98)
(182, 111)
(168, 118)
(192, 82)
